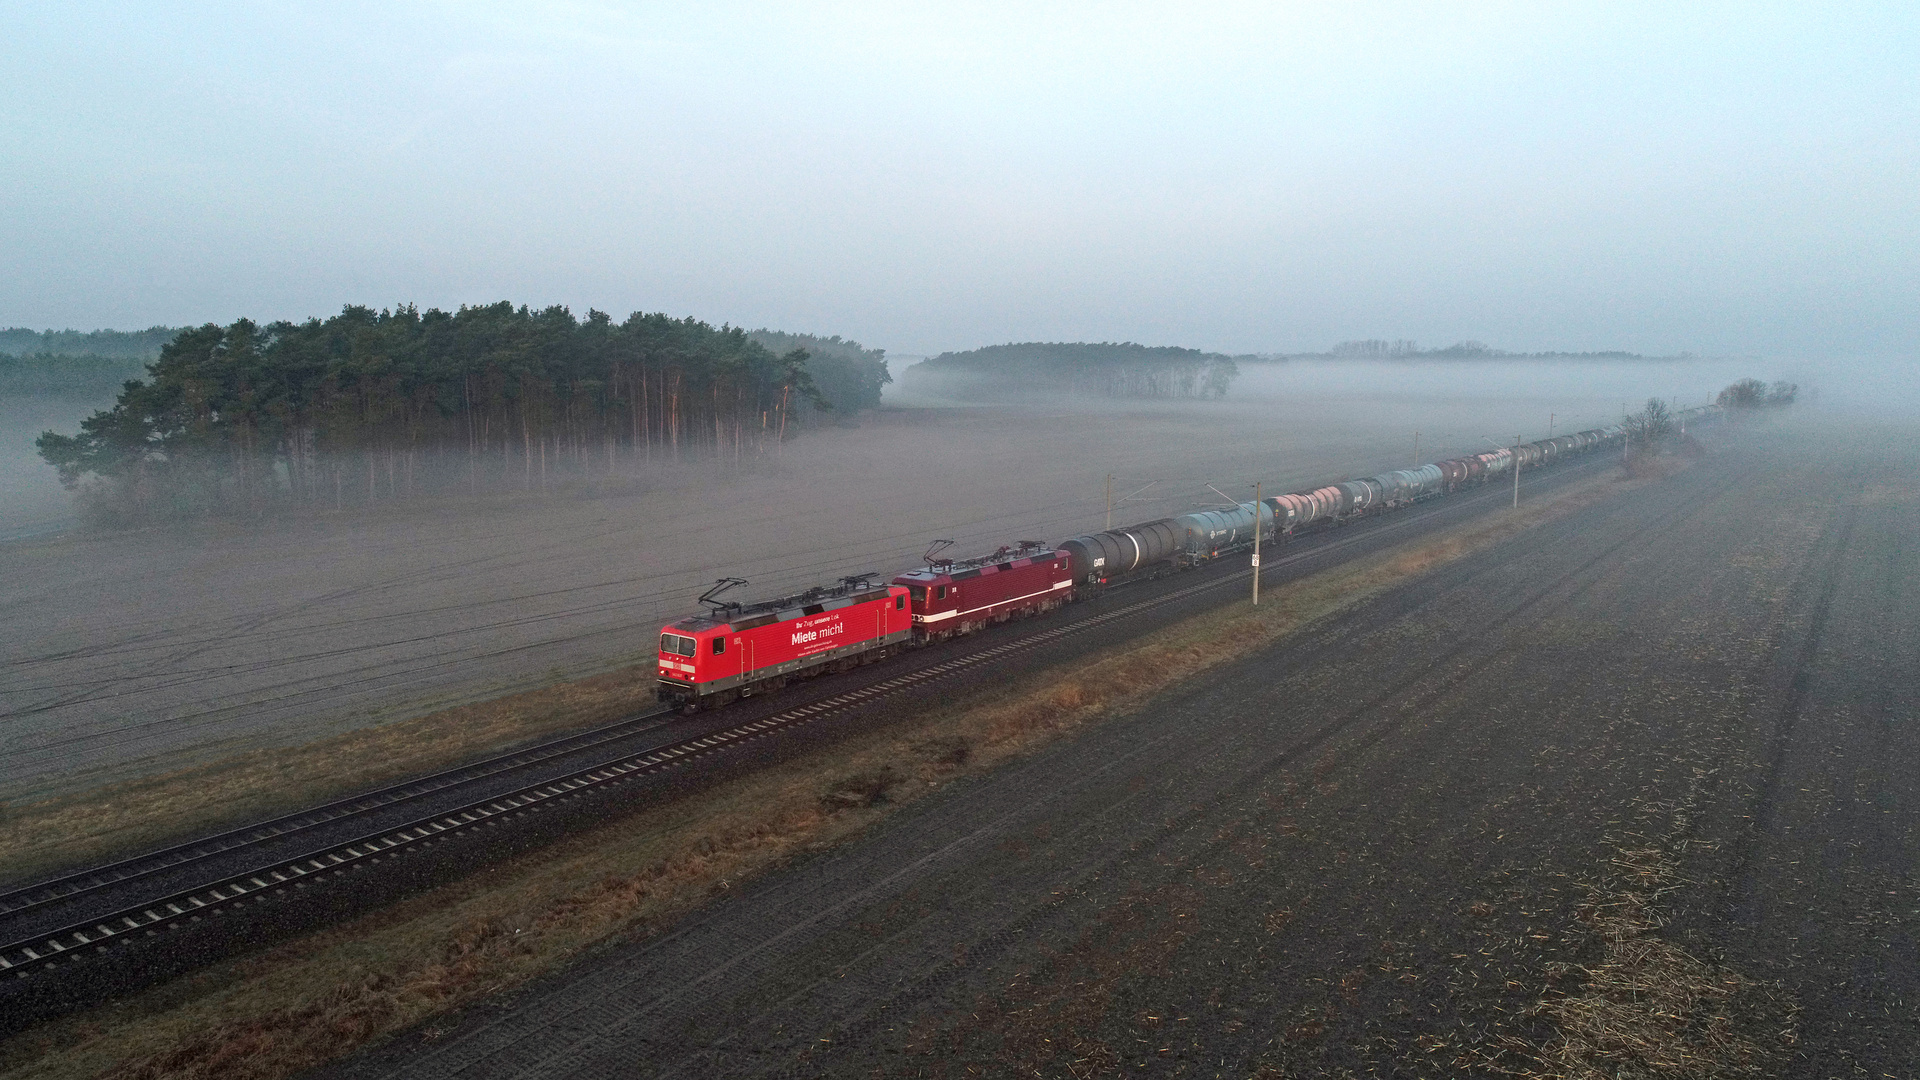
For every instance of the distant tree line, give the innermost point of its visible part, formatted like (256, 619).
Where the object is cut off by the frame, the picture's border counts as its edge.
(1372, 349)
(87, 376)
(1656, 427)
(1104, 369)
(142, 346)
(1754, 394)
(847, 373)
(70, 363)
(378, 405)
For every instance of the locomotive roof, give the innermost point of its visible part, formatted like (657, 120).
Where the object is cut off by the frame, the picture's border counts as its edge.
(960, 571)
(811, 602)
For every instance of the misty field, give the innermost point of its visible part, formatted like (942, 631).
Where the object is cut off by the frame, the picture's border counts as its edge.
(31, 502)
(1629, 796)
(137, 652)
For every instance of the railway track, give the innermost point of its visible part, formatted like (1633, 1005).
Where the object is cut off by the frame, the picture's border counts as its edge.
(112, 917)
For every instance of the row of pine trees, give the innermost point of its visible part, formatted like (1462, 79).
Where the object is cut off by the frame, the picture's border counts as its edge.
(377, 405)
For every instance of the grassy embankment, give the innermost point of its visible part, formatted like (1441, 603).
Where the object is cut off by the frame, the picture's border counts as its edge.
(92, 826)
(323, 995)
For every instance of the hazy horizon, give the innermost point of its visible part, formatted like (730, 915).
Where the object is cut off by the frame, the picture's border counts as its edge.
(1721, 180)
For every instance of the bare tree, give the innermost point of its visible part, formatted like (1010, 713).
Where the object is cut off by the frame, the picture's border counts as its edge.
(1652, 425)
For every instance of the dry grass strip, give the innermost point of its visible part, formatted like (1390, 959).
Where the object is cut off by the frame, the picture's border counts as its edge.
(319, 997)
(107, 822)
(1646, 1008)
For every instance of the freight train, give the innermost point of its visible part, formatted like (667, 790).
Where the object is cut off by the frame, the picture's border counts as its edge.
(737, 650)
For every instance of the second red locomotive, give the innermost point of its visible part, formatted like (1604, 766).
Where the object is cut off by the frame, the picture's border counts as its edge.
(950, 598)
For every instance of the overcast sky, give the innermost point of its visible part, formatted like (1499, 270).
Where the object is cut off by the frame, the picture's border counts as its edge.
(1277, 177)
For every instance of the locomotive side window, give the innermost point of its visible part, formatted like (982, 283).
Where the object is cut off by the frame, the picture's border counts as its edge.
(719, 645)
(677, 644)
(899, 603)
(940, 592)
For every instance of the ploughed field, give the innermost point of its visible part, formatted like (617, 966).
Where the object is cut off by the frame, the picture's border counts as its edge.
(135, 653)
(1636, 793)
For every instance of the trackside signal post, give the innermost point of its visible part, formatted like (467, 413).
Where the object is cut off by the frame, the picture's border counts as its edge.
(1256, 543)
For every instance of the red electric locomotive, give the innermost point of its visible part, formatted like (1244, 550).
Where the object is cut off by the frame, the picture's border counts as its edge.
(949, 598)
(741, 649)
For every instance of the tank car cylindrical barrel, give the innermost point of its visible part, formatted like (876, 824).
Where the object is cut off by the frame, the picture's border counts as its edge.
(1360, 494)
(1335, 500)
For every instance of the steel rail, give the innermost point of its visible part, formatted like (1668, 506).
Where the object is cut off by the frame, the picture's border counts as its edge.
(48, 948)
(79, 883)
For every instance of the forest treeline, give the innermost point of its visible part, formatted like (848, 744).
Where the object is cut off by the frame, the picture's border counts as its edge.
(848, 374)
(1103, 369)
(379, 405)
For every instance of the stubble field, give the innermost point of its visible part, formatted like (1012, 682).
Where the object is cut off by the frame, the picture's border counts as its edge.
(1632, 794)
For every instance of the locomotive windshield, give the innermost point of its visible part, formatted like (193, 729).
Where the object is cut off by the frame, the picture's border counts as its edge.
(677, 644)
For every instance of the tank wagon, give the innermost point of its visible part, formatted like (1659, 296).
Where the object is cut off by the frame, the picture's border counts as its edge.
(1164, 545)
(958, 597)
(1402, 486)
(737, 650)
(1212, 533)
(1299, 509)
